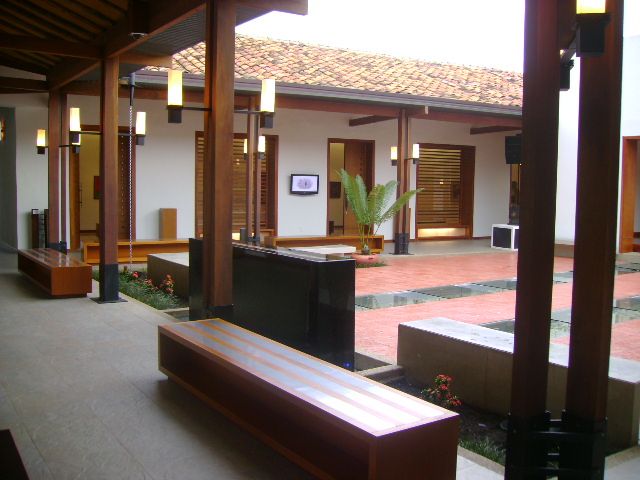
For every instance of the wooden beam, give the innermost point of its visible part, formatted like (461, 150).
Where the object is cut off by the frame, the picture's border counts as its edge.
(109, 281)
(64, 127)
(595, 243)
(299, 7)
(477, 120)
(147, 60)
(252, 146)
(356, 122)
(401, 221)
(297, 103)
(537, 236)
(25, 84)
(53, 226)
(68, 71)
(49, 46)
(26, 66)
(492, 129)
(218, 155)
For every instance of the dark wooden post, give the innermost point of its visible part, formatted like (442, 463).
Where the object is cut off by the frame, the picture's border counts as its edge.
(53, 220)
(595, 246)
(537, 235)
(109, 281)
(257, 177)
(401, 237)
(218, 154)
(250, 157)
(63, 173)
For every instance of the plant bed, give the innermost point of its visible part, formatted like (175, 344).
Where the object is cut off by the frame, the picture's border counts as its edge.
(480, 431)
(370, 265)
(135, 284)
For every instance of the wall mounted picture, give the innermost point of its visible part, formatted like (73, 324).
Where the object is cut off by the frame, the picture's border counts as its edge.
(303, 184)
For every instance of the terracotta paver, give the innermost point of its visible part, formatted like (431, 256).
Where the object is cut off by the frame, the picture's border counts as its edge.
(377, 330)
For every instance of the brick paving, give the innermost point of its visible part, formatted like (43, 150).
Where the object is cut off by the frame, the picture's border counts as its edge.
(377, 330)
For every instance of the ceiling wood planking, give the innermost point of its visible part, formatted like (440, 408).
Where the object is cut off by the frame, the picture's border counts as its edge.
(31, 26)
(299, 7)
(492, 129)
(23, 84)
(22, 65)
(50, 46)
(53, 19)
(103, 8)
(69, 13)
(83, 13)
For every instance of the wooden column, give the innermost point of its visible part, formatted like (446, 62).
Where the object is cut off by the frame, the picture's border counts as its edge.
(257, 177)
(109, 281)
(63, 170)
(537, 235)
(401, 239)
(595, 240)
(218, 154)
(53, 220)
(252, 145)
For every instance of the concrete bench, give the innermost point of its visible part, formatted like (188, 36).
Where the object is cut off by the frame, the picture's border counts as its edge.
(328, 249)
(332, 422)
(56, 273)
(376, 244)
(480, 360)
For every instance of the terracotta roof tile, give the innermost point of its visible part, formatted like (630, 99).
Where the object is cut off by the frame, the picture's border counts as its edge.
(305, 64)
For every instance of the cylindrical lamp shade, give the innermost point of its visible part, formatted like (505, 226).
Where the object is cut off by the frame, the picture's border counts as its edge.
(415, 151)
(262, 144)
(74, 119)
(590, 6)
(41, 139)
(141, 123)
(268, 95)
(174, 95)
(245, 148)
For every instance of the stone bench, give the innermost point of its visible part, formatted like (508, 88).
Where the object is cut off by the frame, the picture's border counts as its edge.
(332, 422)
(376, 243)
(480, 361)
(56, 273)
(327, 249)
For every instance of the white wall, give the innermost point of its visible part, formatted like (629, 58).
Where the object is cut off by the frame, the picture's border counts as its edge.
(568, 140)
(165, 164)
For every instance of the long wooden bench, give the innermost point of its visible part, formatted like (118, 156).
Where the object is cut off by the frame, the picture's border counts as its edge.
(332, 422)
(56, 273)
(376, 244)
(141, 248)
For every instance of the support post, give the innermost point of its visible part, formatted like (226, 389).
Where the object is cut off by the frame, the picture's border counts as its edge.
(218, 155)
(595, 248)
(257, 177)
(537, 235)
(53, 219)
(401, 235)
(63, 174)
(251, 149)
(109, 281)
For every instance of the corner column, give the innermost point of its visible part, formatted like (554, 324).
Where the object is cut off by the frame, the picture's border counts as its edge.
(595, 247)
(109, 280)
(537, 236)
(218, 155)
(53, 219)
(401, 233)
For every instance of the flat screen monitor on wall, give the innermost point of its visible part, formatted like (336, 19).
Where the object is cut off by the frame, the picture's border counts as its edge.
(303, 184)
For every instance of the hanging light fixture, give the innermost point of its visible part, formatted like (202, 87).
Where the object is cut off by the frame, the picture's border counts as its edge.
(591, 19)
(174, 96)
(141, 127)
(41, 141)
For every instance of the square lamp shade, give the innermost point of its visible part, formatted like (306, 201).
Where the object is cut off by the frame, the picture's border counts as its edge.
(262, 144)
(590, 6)
(268, 95)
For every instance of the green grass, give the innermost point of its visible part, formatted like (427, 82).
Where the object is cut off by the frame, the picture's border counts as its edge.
(371, 265)
(138, 289)
(484, 447)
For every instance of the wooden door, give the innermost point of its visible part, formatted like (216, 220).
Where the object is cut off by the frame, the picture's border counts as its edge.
(357, 161)
(630, 153)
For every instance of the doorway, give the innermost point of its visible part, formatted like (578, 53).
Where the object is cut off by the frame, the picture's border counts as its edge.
(356, 157)
(630, 196)
(84, 190)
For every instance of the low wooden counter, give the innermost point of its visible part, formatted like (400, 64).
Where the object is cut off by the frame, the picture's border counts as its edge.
(56, 273)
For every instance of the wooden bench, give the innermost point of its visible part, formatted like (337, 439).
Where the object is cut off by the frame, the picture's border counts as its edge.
(141, 248)
(55, 272)
(332, 422)
(376, 244)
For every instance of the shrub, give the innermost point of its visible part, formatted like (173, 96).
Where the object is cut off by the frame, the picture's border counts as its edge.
(440, 393)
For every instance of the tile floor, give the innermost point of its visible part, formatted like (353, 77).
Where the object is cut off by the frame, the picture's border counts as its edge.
(80, 390)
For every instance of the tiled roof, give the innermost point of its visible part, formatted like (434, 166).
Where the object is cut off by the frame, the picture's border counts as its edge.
(300, 63)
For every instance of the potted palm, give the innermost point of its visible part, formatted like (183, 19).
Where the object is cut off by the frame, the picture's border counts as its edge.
(372, 209)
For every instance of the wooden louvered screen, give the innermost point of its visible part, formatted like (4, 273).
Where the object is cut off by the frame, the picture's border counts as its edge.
(239, 200)
(445, 173)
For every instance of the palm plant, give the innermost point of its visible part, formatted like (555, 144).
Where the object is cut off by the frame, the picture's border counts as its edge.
(371, 209)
